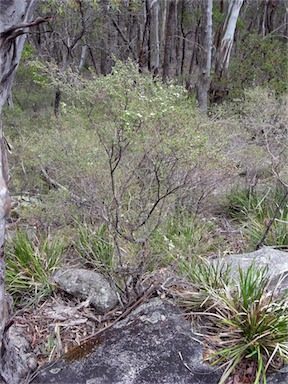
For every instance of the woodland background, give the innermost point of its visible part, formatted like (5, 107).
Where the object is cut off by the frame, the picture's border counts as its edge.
(131, 150)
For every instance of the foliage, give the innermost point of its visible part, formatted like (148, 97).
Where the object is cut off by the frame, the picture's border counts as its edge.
(142, 147)
(205, 278)
(31, 262)
(259, 62)
(251, 323)
(182, 237)
(262, 115)
(203, 274)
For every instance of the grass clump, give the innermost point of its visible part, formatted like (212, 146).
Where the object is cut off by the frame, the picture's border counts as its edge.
(254, 211)
(30, 263)
(249, 322)
(184, 236)
(95, 247)
(205, 278)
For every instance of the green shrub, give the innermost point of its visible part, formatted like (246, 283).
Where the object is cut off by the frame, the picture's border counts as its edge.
(128, 146)
(259, 62)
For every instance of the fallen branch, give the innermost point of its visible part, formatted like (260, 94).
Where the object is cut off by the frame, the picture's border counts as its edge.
(54, 184)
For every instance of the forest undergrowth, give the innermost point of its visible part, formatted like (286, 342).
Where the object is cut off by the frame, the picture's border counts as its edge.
(132, 181)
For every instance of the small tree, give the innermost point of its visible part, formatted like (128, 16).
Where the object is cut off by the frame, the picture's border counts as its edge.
(146, 156)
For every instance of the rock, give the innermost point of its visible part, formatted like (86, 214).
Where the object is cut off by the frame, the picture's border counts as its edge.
(152, 345)
(17, 360)
(276, 260)
(87, 284)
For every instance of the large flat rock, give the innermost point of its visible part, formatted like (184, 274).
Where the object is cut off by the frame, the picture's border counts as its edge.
(152, 345)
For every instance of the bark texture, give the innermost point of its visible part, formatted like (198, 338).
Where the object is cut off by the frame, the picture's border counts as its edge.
(170, 25)
(229, 28)
(15, 17)
(204, 76)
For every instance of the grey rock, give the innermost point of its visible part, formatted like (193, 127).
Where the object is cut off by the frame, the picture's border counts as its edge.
(277, 262)
(152, 345)
(280, 377)
(87, 284)
(17, 360)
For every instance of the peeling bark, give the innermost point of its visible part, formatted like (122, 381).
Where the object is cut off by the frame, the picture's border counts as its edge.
(223, 56)
(15, 18)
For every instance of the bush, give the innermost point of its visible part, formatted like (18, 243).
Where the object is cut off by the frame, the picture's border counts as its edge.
(128, 147)
(259, 62)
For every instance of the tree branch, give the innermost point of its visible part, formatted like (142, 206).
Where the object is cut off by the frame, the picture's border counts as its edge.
(16, 30)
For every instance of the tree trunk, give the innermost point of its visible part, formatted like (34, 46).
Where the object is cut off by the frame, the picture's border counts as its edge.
(223, 55)
(84, 50)
(57, 102)
(269, 15)
(144, 54)
(168, 39)
(148, 10)
(156, 47)
(164, 16)
(183, 38)
(15, 17)
(205, 65)
(177, 40)
(286, 24)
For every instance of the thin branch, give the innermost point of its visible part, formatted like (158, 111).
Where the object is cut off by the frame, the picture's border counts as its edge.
(54, 184)
(16, 30)
(124, 38)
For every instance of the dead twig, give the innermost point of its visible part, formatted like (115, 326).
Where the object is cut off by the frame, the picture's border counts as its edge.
(54, 184)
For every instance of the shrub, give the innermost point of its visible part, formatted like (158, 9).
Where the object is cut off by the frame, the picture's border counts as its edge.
(128, 146)
(259, 62)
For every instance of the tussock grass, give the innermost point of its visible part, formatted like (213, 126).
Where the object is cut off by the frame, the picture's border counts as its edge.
(249, 321)
(31, 262)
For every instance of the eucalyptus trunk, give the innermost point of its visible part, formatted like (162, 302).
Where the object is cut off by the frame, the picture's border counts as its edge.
(156, 47)
(15, 17)
(224, 53)
(205, 66)
(170, 25)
